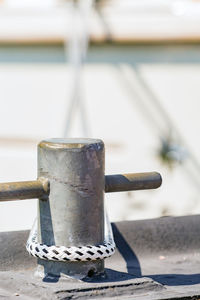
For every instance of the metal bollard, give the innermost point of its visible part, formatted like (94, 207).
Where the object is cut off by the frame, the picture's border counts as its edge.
(74, 214)
(70, 187)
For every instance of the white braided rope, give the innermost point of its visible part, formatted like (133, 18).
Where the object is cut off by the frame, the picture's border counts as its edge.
(62, 253)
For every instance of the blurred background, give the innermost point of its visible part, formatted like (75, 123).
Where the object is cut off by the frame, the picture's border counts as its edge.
(124, 71)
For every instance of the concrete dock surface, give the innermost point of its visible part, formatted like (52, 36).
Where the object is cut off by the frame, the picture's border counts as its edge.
(155, 259)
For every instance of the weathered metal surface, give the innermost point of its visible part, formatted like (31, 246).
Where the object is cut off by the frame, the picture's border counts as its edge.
(155, 259)
(132, 182)
(24, 190)
(113, 183)
(74, 212)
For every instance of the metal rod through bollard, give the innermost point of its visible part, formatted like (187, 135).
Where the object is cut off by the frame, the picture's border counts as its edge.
(74, 212)
(132, 182)
(113, 183)
(24, 190)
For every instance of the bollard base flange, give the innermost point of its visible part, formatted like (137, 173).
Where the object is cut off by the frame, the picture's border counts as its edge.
(51, 270)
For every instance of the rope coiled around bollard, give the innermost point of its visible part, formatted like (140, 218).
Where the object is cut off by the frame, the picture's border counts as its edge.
(62, 253)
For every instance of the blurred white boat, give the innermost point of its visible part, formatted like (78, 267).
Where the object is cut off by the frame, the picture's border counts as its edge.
(133, 97)
(118, 20)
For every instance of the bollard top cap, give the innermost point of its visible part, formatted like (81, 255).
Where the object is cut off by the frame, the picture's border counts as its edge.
(71, 143)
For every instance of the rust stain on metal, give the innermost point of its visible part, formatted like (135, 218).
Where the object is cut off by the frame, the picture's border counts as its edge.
(92, 157)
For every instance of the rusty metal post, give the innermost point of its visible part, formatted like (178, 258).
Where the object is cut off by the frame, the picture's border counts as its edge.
(73, 215)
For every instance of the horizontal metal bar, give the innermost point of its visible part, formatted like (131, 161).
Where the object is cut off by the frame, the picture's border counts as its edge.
(24, 190)
(113, 183)
(132, 182)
